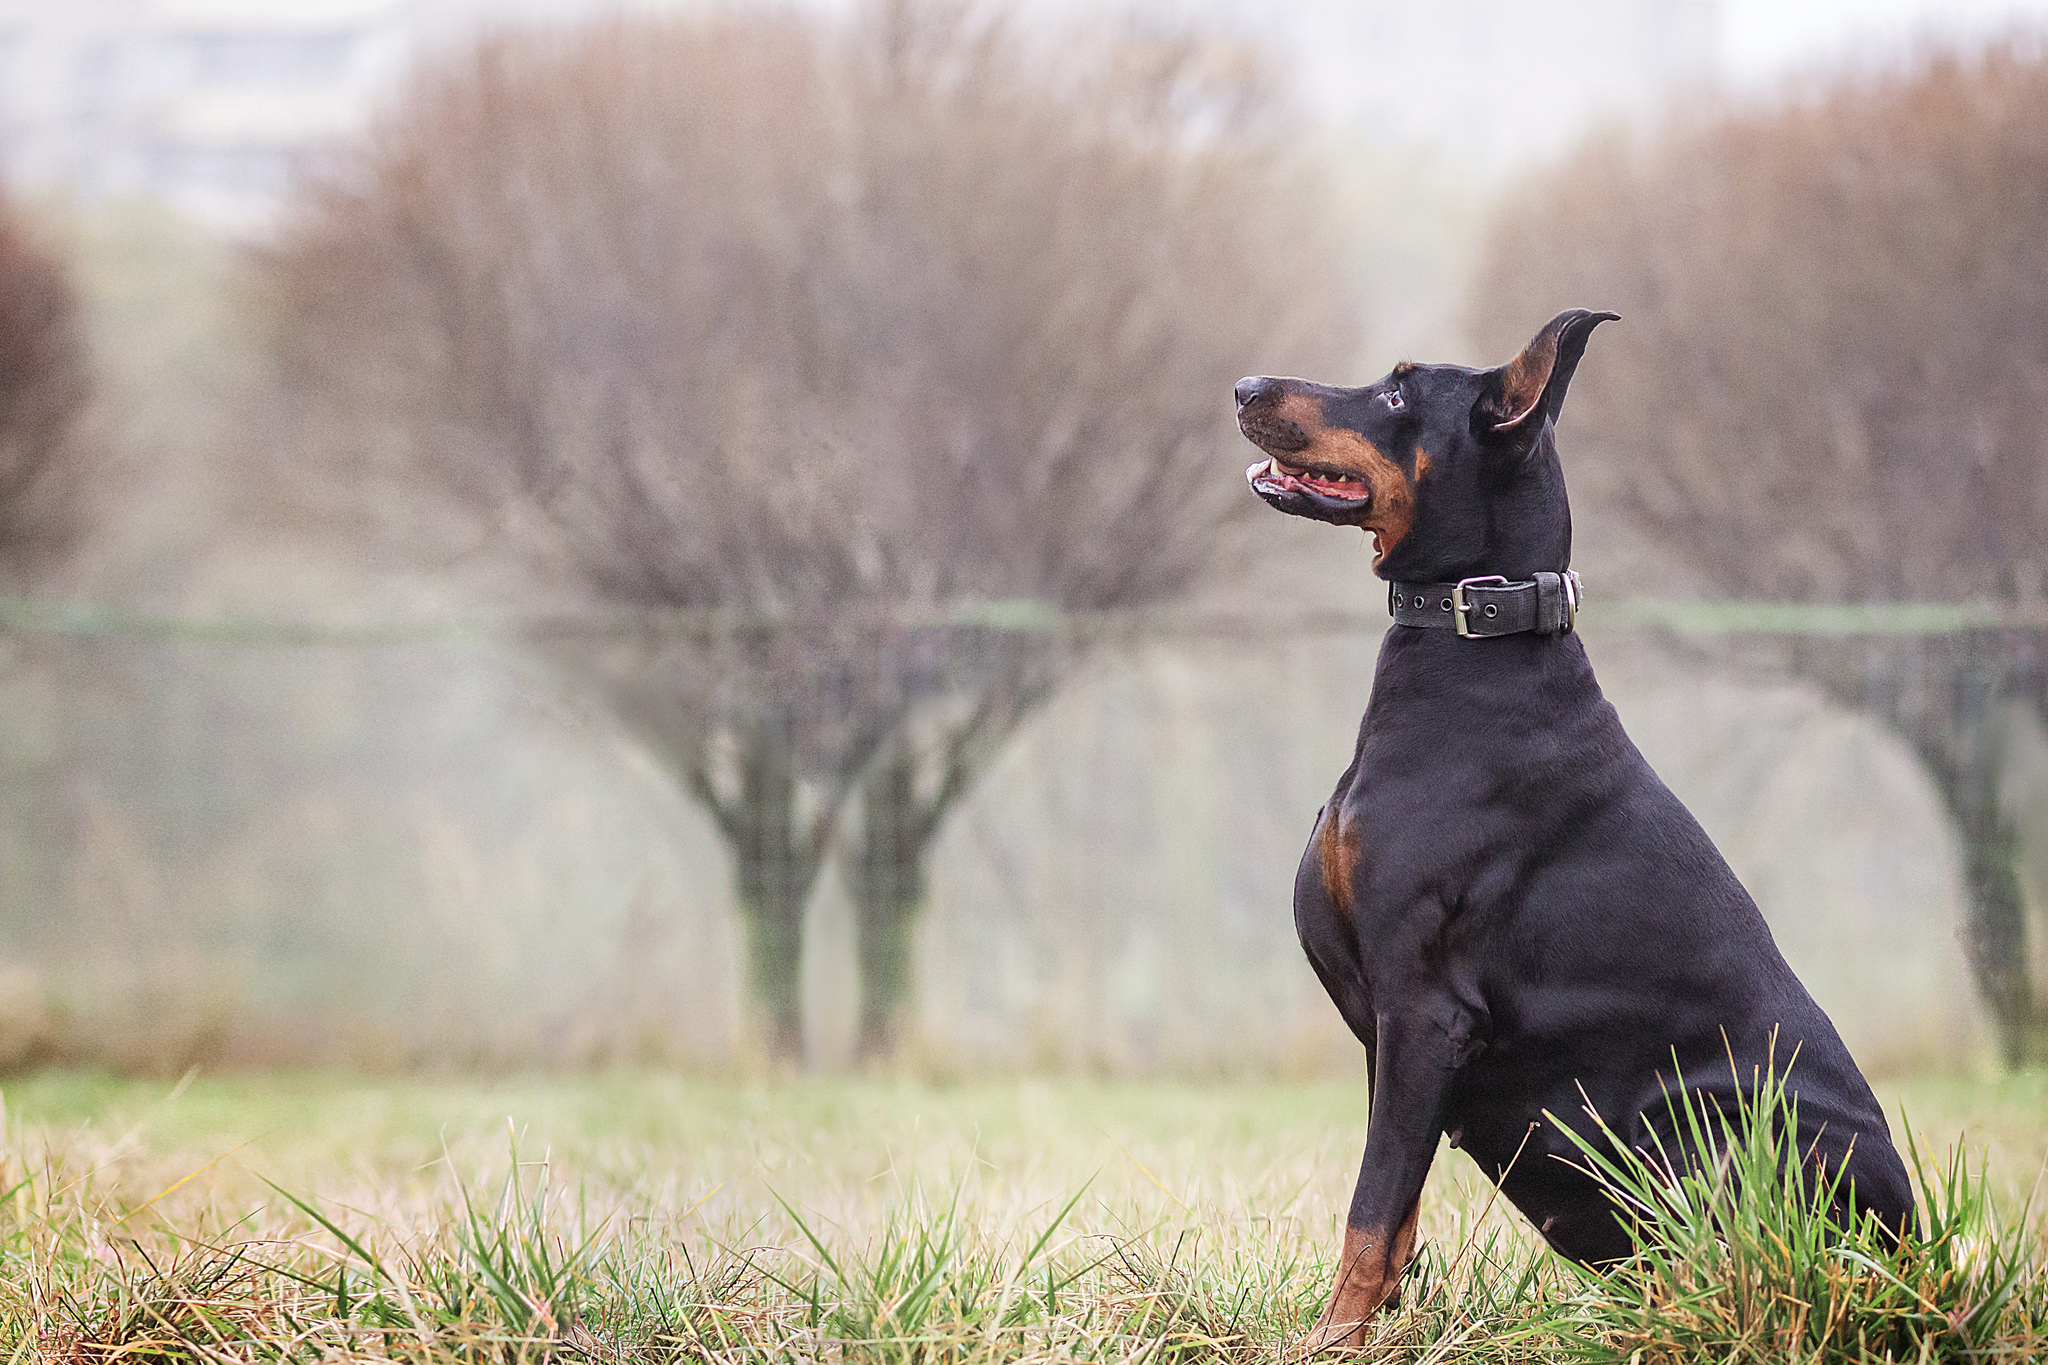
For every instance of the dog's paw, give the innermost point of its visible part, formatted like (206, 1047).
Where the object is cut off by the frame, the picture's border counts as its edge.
(1328, 1338)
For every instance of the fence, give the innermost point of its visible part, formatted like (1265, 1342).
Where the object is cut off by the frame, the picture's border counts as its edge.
(985, 835)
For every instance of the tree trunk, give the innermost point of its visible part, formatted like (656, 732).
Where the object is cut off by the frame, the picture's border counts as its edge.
(775, 865)
(1965, 751)
(885, 869)
(886, 878)
(1946, 696)
(1996, 903)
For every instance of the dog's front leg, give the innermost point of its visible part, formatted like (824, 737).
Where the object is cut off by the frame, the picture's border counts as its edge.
(1421, 1044)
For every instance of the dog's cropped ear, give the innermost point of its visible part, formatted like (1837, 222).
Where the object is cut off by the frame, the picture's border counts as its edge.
(1519, 397)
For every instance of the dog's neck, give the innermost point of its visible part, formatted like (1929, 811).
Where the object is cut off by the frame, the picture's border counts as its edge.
(1515, 528)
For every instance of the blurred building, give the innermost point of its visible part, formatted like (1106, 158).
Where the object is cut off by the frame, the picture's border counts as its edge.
(203, 103)
(210, 104)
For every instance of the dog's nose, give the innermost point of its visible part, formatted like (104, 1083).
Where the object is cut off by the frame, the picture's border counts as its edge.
(1251, 390)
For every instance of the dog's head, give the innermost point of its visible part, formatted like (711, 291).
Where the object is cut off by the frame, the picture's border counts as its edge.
(1451, 470)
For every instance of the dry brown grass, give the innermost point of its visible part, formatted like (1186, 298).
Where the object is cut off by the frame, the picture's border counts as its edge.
(864, 1220)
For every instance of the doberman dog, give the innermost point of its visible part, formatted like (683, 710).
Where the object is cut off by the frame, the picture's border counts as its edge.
(1510, 910)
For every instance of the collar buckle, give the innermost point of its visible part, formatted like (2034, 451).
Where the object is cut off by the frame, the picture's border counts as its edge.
(1460, 608)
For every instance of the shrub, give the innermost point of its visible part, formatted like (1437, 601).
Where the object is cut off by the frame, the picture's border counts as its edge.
(43, 390)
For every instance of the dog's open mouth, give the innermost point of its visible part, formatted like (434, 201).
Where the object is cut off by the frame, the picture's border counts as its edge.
(1347, 488)
(1325, 494)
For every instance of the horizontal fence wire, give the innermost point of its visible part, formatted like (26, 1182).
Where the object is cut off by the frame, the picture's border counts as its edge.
(220, 829)
(1709, 617)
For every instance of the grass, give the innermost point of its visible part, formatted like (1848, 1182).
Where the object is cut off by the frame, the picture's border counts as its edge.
(1738, 1257)
(647, 1218)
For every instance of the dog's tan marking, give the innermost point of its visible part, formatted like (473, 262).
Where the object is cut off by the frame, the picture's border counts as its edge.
(1525, 378)
(1421, 464)
(1300, 409)
(1339, 857)
(1391, 512)
(1367, 1277)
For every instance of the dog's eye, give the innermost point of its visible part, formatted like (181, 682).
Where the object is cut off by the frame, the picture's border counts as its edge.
(1392, 398)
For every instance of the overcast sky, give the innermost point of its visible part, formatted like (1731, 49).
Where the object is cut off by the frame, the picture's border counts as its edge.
(1762, 38)
(1342, 45)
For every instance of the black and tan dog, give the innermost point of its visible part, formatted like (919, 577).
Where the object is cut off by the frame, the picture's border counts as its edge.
(1510, 910)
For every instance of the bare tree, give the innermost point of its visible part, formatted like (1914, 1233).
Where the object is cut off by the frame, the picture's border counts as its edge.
(818, 334)
(1832, 386)
(43, 391)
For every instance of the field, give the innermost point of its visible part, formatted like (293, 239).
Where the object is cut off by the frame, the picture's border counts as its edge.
(315, 1217)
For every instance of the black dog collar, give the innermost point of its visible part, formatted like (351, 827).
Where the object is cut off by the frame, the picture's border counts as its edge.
(1480, 608)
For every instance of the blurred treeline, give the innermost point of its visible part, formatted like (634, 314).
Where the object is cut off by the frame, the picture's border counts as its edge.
(721, 540)
(1834, 388)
